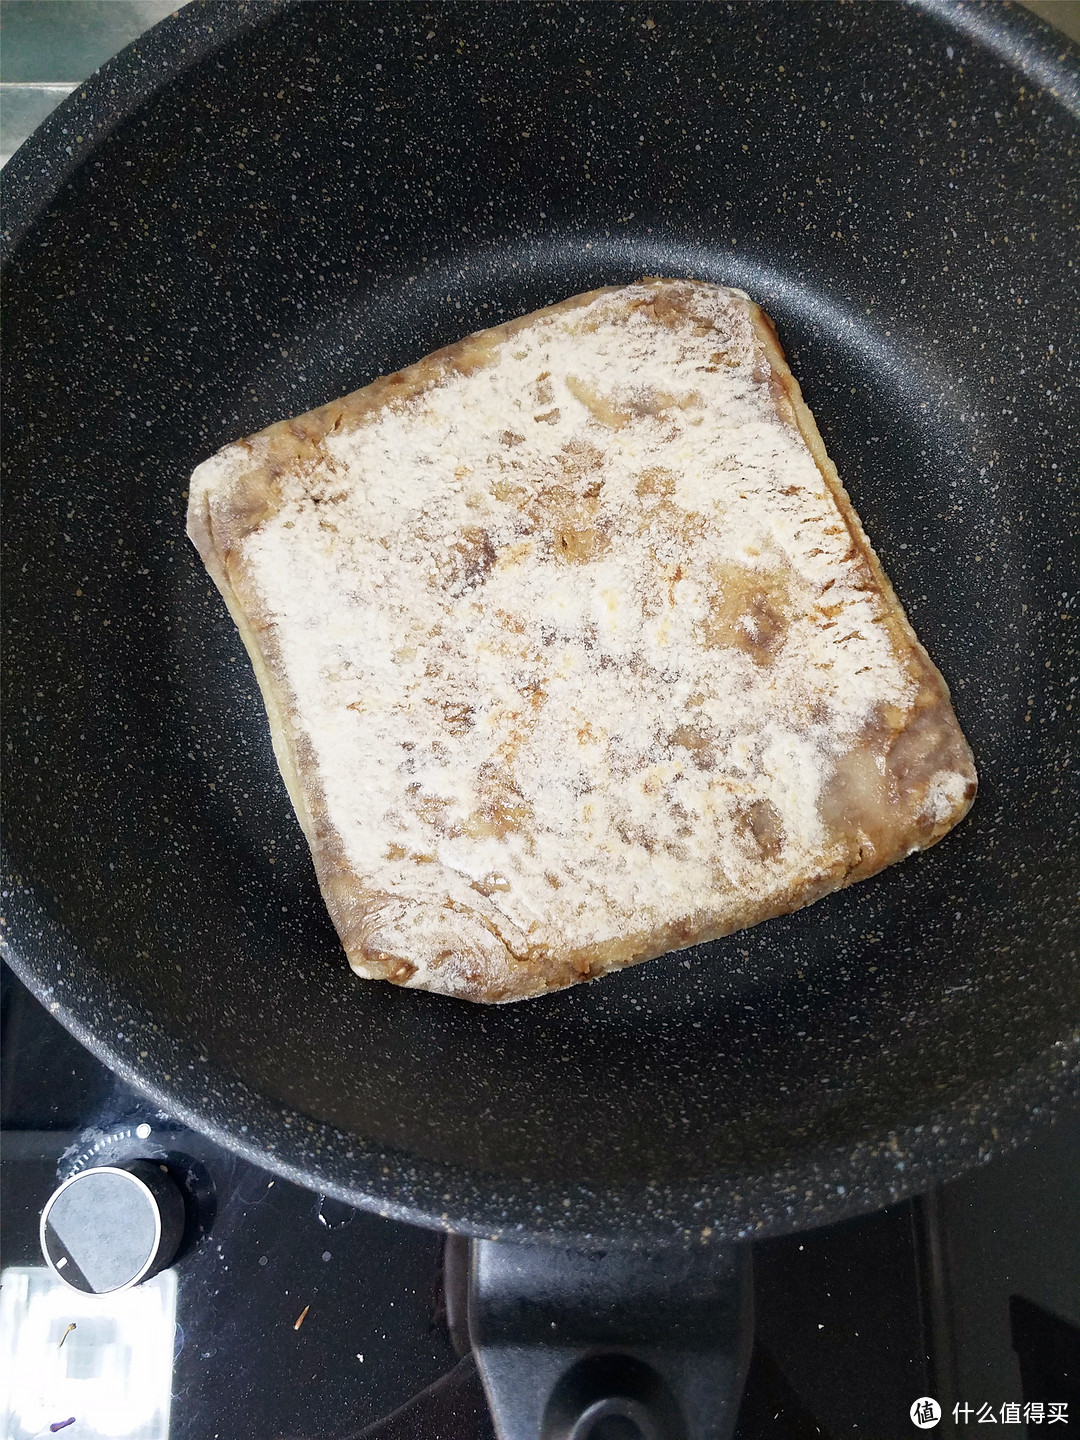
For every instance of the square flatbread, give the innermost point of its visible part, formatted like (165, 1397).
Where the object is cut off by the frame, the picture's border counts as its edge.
(573, 648)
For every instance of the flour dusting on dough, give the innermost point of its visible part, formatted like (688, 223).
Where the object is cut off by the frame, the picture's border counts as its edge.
(581, 643)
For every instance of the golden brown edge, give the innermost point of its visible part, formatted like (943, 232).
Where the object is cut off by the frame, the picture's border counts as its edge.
(933, 710)
(220, 525)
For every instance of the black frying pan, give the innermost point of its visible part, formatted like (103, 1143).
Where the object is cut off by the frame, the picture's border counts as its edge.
(261, 206)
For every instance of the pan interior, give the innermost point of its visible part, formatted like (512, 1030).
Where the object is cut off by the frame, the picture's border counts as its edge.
(234, 256)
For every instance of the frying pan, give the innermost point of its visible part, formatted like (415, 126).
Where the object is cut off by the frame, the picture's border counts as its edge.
(261, 206)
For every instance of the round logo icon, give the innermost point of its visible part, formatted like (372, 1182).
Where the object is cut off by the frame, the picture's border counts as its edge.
(925, 1413)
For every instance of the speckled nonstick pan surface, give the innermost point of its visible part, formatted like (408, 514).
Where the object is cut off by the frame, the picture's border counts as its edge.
(260, 207)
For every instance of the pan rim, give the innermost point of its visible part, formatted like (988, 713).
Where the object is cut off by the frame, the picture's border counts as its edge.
(42, 165)
(821, 1186)
(373, 1179)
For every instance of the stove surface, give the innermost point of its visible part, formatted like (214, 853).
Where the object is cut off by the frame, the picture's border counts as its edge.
(287, 1316)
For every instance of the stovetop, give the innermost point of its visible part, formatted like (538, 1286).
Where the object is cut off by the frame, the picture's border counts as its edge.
(287, 1316)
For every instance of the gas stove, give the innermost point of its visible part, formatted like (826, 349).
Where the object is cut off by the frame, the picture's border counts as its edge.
(286, 1314)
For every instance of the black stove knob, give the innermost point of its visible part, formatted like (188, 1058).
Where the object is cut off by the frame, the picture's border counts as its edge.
(109, 1227)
